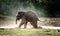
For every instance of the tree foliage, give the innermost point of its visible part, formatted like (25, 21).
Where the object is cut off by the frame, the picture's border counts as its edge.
(48, 5)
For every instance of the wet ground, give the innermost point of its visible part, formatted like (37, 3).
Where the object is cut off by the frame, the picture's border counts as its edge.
(11, 23)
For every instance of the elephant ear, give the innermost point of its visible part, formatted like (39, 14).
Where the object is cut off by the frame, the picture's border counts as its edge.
(21, 13)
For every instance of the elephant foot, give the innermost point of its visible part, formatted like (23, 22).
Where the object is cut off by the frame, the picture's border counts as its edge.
(40, 27)
(24, 28)
(17, 27)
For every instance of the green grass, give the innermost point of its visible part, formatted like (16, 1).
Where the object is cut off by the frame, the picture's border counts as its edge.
(28, 32)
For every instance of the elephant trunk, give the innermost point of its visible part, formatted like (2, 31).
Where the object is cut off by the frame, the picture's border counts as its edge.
(16, 21)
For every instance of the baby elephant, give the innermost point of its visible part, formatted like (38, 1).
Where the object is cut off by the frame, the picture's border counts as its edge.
(26, 17)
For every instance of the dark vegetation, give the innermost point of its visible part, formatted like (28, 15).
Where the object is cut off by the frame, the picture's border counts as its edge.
(49, 7)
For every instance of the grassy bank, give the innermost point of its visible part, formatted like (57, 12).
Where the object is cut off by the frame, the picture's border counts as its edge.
(28, 32)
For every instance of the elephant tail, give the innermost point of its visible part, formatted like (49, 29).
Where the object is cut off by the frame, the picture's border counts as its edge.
(41, 20)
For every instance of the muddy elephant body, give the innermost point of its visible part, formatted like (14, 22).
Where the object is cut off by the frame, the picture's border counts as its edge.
(26, 17)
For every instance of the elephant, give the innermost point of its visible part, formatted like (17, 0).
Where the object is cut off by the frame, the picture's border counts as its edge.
(26, 17)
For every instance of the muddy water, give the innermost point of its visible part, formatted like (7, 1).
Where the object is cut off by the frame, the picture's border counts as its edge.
(11, 23)
(7, 23)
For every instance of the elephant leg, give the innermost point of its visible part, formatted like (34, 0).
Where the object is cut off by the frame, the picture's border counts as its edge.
(23, 21)
(25, 25)
(34, 24)
(21, 24)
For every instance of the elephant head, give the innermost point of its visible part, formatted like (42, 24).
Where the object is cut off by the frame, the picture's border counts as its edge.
(19, 16)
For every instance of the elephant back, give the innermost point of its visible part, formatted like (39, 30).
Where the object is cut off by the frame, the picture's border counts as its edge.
(31, 14)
